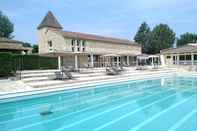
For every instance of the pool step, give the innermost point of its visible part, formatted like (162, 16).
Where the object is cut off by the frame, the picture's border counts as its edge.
(50, 76)
(57, 83)
(37, 71)
(46, 73)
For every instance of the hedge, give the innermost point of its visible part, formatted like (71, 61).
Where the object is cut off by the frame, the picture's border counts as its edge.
(9, 63)
(5, 64)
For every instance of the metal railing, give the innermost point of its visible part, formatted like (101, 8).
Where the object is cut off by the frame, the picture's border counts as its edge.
(185, 62)
(105, 64)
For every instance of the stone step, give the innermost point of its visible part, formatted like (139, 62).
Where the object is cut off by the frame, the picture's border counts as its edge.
(37, 75)
(32, 76)
(48, 83)
(37, 71)
(113, 79)
(49, 76)
(51, 73)
(42, 78)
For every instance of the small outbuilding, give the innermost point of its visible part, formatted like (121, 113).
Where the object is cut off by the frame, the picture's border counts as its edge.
(184, 55)
(13, 46)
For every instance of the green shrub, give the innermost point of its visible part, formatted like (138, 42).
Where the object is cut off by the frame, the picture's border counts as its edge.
(30, 62)
(48, 63)
(5, 64)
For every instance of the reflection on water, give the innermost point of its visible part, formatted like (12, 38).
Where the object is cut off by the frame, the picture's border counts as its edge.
(6, 117)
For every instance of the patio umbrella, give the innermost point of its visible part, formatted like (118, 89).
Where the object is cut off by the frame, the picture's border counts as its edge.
(111, 55)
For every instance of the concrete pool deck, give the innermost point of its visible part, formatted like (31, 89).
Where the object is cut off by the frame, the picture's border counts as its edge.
(7, 86)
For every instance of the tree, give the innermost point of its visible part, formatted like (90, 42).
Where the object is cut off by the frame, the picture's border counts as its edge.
(142, 35)
(161, 37)
(35, 49)
(187, 38)
(26, 44)
(6, 26)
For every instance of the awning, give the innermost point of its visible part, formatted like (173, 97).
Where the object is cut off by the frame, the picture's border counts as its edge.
(111, 55)
(153, 56)
(143, 57)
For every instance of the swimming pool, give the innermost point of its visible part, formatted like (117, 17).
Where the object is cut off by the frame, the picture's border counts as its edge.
(162, 104)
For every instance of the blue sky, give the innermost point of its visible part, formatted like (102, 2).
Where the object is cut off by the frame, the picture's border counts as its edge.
(117, 18)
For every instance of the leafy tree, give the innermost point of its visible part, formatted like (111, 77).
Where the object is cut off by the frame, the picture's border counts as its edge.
(161, 37)
(26, 44)
(187, 38)
(142, 35)
(6, 26)
(35, 49)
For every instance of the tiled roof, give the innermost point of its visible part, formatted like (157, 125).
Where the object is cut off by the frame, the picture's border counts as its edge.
(11, 44)
(183, 49)
(50, 21)
(85, 36)
(9, 40)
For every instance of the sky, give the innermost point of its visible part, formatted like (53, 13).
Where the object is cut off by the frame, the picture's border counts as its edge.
(115, 18)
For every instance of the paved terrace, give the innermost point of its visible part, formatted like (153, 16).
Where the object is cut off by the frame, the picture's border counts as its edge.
(41, 81)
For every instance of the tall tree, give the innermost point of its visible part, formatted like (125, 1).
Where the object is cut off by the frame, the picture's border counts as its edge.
(6, 26)
(26, 44)
(142, 35)
(35, 49)
(187, 38)
(162, 37)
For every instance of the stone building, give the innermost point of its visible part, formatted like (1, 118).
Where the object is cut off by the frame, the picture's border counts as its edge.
(81, 49)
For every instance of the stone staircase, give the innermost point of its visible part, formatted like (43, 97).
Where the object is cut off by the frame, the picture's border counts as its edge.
(45, 78)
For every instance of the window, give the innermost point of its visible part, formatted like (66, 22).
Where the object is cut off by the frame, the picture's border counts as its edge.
(188, 57)
(168, 57)
(195, 57)
(50, 43)
(174, 58)
(73, 42)
(73, 45)
(73, 49)
(78, 46)
(83, 43)
(78, 42)
(181, 57)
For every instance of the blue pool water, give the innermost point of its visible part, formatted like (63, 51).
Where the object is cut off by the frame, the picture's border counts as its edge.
(163, 104)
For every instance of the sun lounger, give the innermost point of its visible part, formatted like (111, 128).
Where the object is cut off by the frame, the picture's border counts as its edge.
(117, 69)
(121, 68)
(111, 71)
(59, 75)
(67, 74)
